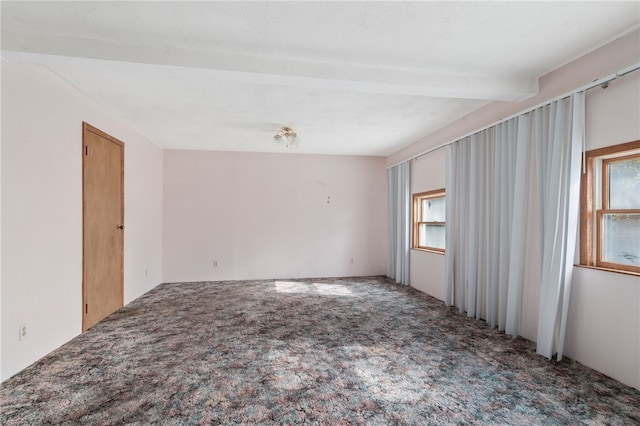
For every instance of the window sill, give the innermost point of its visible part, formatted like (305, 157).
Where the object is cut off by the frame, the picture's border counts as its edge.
(617, 271)
(428, 251)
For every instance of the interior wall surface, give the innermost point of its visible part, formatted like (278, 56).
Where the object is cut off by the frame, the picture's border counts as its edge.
(235, 216)
(41, 224)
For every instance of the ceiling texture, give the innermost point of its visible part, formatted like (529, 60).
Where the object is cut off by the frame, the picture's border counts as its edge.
(351, 78)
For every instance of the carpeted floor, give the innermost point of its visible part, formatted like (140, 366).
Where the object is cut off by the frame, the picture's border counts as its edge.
(329, 351)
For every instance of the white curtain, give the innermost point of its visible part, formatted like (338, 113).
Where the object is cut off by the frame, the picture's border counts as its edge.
(487, 184)
(559, 139)
(486, 195)
(398, 222)
(452, 222)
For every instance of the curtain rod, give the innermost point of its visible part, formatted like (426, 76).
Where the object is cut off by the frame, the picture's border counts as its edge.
(599, 82)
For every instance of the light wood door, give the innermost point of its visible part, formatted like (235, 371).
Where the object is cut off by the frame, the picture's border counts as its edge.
(103, 226)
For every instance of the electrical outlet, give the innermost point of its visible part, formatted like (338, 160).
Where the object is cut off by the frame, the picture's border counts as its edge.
(22, 334)
(215, 264)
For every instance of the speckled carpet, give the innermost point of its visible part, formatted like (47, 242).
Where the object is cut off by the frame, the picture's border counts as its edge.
(328, 351)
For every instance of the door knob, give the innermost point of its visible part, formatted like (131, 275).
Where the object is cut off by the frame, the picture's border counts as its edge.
(120, 227)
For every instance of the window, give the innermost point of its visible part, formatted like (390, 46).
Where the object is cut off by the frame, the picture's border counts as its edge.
(610, 208)
(429, 221)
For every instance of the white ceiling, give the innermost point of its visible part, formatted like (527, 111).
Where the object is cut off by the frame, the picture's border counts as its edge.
(352, 78)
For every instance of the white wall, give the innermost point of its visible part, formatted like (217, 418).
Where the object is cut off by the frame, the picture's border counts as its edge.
(42, 211)
(603, 328)
(267, 216)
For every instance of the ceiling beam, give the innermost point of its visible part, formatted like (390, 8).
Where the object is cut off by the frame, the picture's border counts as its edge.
(294, 72)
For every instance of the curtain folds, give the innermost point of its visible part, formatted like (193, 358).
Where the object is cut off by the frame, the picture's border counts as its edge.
(487, 181)
(559, 141)
(487, 195)
(398, 222)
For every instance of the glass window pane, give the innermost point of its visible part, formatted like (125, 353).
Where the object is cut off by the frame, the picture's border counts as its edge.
(624, 184)
(432, 236)
(621, 238)
(423, 210)
(433, 210)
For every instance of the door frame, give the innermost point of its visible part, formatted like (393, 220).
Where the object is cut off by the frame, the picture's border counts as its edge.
(88, 128)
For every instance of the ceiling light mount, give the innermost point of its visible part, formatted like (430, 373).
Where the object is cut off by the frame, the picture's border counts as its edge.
(286, 137)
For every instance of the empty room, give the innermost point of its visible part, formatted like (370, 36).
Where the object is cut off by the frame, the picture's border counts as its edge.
(320, 212)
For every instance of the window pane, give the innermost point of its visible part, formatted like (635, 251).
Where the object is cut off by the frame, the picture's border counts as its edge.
(624, 184)
(433, 210)
(621, 238)
(432, 236)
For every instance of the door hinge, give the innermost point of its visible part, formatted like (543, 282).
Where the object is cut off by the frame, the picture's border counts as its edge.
(86, 308)
(86, 150)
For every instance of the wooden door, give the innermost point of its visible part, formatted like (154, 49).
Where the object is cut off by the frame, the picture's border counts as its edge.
(103, 225)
